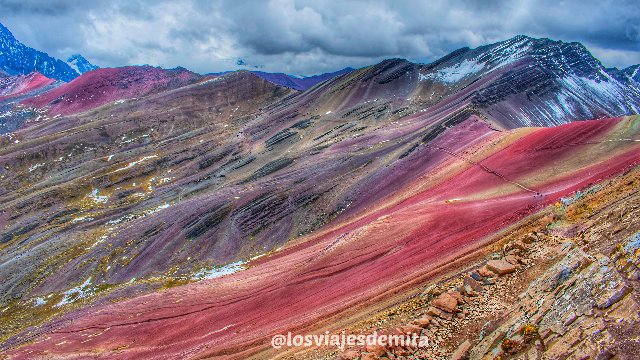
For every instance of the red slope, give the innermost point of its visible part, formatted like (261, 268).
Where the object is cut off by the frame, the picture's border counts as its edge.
(14, 86)
(350, 266)
(102, 86)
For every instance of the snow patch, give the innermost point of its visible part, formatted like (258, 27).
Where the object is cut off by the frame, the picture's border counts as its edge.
(76, 293)
(130, 217)
(218, 271)
(455, 73)
(134, 163)
(39, 301)
(34, 167)
(95, 196)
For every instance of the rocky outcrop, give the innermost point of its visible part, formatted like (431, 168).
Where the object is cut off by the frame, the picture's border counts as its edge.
(580, 308)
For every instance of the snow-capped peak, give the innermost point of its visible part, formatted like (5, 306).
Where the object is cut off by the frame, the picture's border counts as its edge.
(17, 58)
(80, 64)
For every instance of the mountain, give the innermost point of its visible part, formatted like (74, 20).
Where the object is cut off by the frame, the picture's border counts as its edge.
(519, 82)
(216, 211)
(80, 64)
(527, 81)
(105, 85)
(293, 82)
(300, 83)
(13, 90)
(12, 86)
(17, 58)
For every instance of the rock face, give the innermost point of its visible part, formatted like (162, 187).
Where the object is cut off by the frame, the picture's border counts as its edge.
(544, 82)
(580, 308)
(17, 58)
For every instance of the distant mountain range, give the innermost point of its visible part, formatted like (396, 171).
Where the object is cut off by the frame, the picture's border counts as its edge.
(522, 81)
(536, 82)
(292, 81)
(300, 83)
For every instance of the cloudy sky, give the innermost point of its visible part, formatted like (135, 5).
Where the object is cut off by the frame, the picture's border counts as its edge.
(309, 37)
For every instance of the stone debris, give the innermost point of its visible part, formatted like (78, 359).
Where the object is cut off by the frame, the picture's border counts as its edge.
(434, 311)
(471, 286)
(446, 302)
(485, 272)
(573, 311)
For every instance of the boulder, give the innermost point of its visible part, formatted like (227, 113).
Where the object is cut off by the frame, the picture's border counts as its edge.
(500, 267)
(349, 355)
(446, 302)
(434, 311)
(529, 238)
(412, 329)
(475, 276)
(377, 350)
(401, 352)
(456, 295)
(369, 356)
(485, 272)
(518, 244)
(511, 259)
(423, 321)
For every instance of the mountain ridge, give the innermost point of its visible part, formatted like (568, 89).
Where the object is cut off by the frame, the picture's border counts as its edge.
(17, 58)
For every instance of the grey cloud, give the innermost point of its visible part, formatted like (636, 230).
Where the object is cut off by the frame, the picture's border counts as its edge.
(311, 36)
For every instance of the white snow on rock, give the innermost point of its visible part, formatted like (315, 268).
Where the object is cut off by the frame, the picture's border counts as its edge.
(134, 163)
(456, 72)
(218, 271)
(95, 196)
(76, 293)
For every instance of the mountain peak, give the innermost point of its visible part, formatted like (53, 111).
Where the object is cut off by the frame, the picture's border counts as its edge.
(80, 64)
(4, 31)
(17, 58)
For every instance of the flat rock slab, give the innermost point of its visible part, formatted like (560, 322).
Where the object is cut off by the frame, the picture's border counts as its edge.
(472, 284)
(462, 352)
(500, 267)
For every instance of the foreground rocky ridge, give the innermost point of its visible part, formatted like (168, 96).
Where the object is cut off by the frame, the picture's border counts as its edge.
(568, 290)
